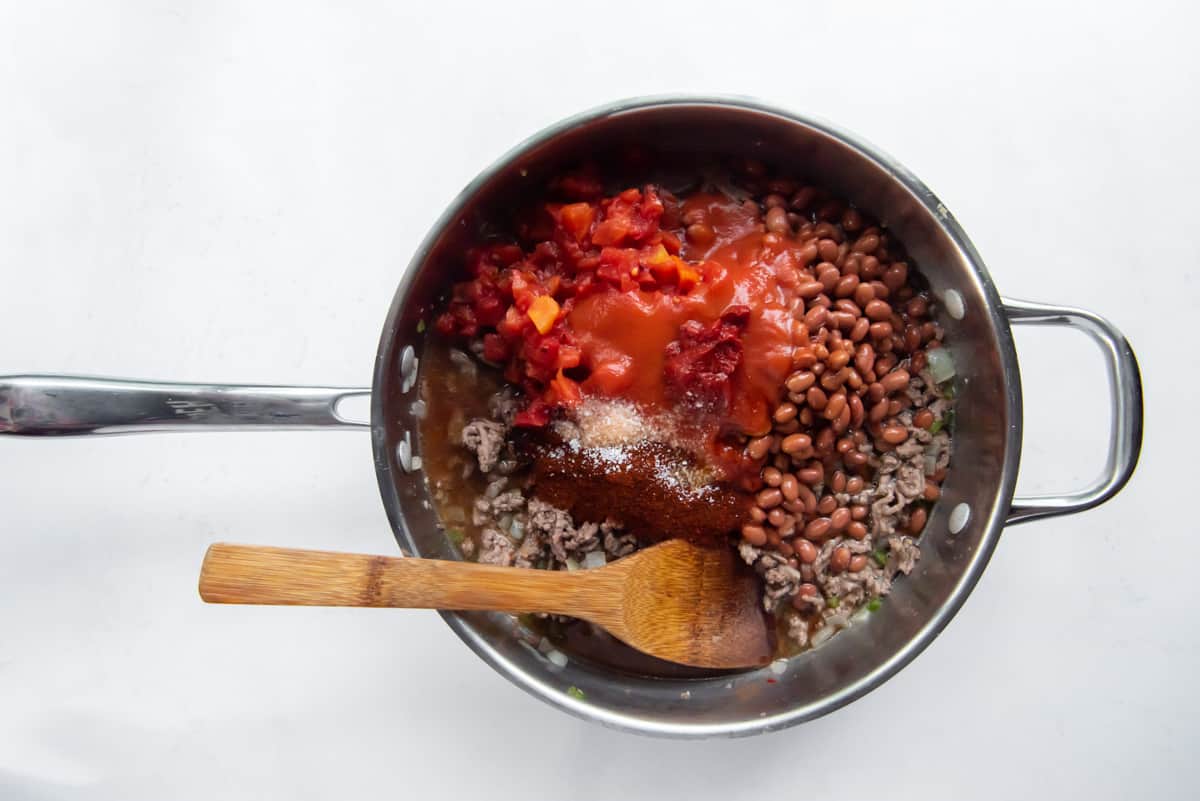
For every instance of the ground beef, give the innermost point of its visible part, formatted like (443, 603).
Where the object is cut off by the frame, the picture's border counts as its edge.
(780, 580)
(504, 405)
(485, 438)
(903, 553)
(495, 548)
(527, 532)
(555, 526)
(488, 510)
(616, 544)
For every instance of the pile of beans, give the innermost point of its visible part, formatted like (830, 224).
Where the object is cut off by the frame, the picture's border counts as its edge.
(868, 328)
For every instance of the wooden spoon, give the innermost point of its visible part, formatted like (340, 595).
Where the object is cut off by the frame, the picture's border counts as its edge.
(676, 601)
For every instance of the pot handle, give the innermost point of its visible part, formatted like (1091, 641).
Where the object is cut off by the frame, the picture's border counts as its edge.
(50, 405)
(1125, 392)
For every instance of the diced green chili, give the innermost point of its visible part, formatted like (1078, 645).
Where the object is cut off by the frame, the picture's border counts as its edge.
(874, 604)
(456, 535)
(832, 602)
(575, 692)
(946, 422)
(880, 556)
(420, 326)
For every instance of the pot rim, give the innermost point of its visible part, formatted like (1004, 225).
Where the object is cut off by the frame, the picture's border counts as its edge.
(992, 526)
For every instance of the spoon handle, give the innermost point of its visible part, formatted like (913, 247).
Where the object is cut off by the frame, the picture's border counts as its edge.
(252, 574)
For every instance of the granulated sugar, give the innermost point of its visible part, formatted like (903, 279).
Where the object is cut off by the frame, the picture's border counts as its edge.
(604, 422)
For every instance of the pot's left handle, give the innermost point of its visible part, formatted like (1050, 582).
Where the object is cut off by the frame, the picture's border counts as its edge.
(49, 405)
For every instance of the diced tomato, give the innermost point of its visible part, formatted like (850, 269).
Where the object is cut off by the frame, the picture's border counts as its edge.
(520, 297)
(495, 349)
(700, 364)
(445, 324)
(569, 356)
(671, 242)
(563, 390)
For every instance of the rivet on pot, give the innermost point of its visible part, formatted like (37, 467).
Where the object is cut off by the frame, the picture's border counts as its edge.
(959, 517)
(955, 306)
(408, 368)
(404, 452)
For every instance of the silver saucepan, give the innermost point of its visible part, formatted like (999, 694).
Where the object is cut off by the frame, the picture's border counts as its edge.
(977, 497)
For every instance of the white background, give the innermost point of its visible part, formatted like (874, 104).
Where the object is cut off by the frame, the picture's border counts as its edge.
(229, 191)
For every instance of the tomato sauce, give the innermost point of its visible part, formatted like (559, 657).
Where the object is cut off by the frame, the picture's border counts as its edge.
(609, 302)
(625, 336)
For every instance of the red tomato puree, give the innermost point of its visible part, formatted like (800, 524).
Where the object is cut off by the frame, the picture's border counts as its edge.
(624, 335)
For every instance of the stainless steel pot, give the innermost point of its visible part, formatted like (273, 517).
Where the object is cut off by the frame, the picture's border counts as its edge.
(977, 498)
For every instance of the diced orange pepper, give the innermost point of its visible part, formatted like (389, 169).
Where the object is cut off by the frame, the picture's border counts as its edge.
(660, 262)
(543, 311)
(576, 219)
(688, 277)
(657, 256)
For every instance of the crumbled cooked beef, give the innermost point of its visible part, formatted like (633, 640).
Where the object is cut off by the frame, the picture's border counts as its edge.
(495, 548)
(486, 439)
(530, 553)
(488, 510)
(504, 405)
(616, 544)
(780, 579)
(903, 553)
(539, 534)
(556, 527)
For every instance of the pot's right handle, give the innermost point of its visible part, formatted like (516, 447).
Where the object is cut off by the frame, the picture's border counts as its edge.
(1125, 390)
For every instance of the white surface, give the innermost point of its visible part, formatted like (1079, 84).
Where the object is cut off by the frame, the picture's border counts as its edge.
(212, 191)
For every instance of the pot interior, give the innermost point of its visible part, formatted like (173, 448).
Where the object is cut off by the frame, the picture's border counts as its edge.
(985, 447)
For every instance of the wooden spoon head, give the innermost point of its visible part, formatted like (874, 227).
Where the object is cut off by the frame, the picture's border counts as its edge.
(694, 605)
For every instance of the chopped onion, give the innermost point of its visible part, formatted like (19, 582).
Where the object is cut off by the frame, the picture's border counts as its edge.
(595, 559)
(860, 615)
(419, 408)
(505, 523)
(572, 564)
(557, 657)
(779, 666)
(463, 362)
(518, 530)
(941, 364)
(821, 635)
(930, 461)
